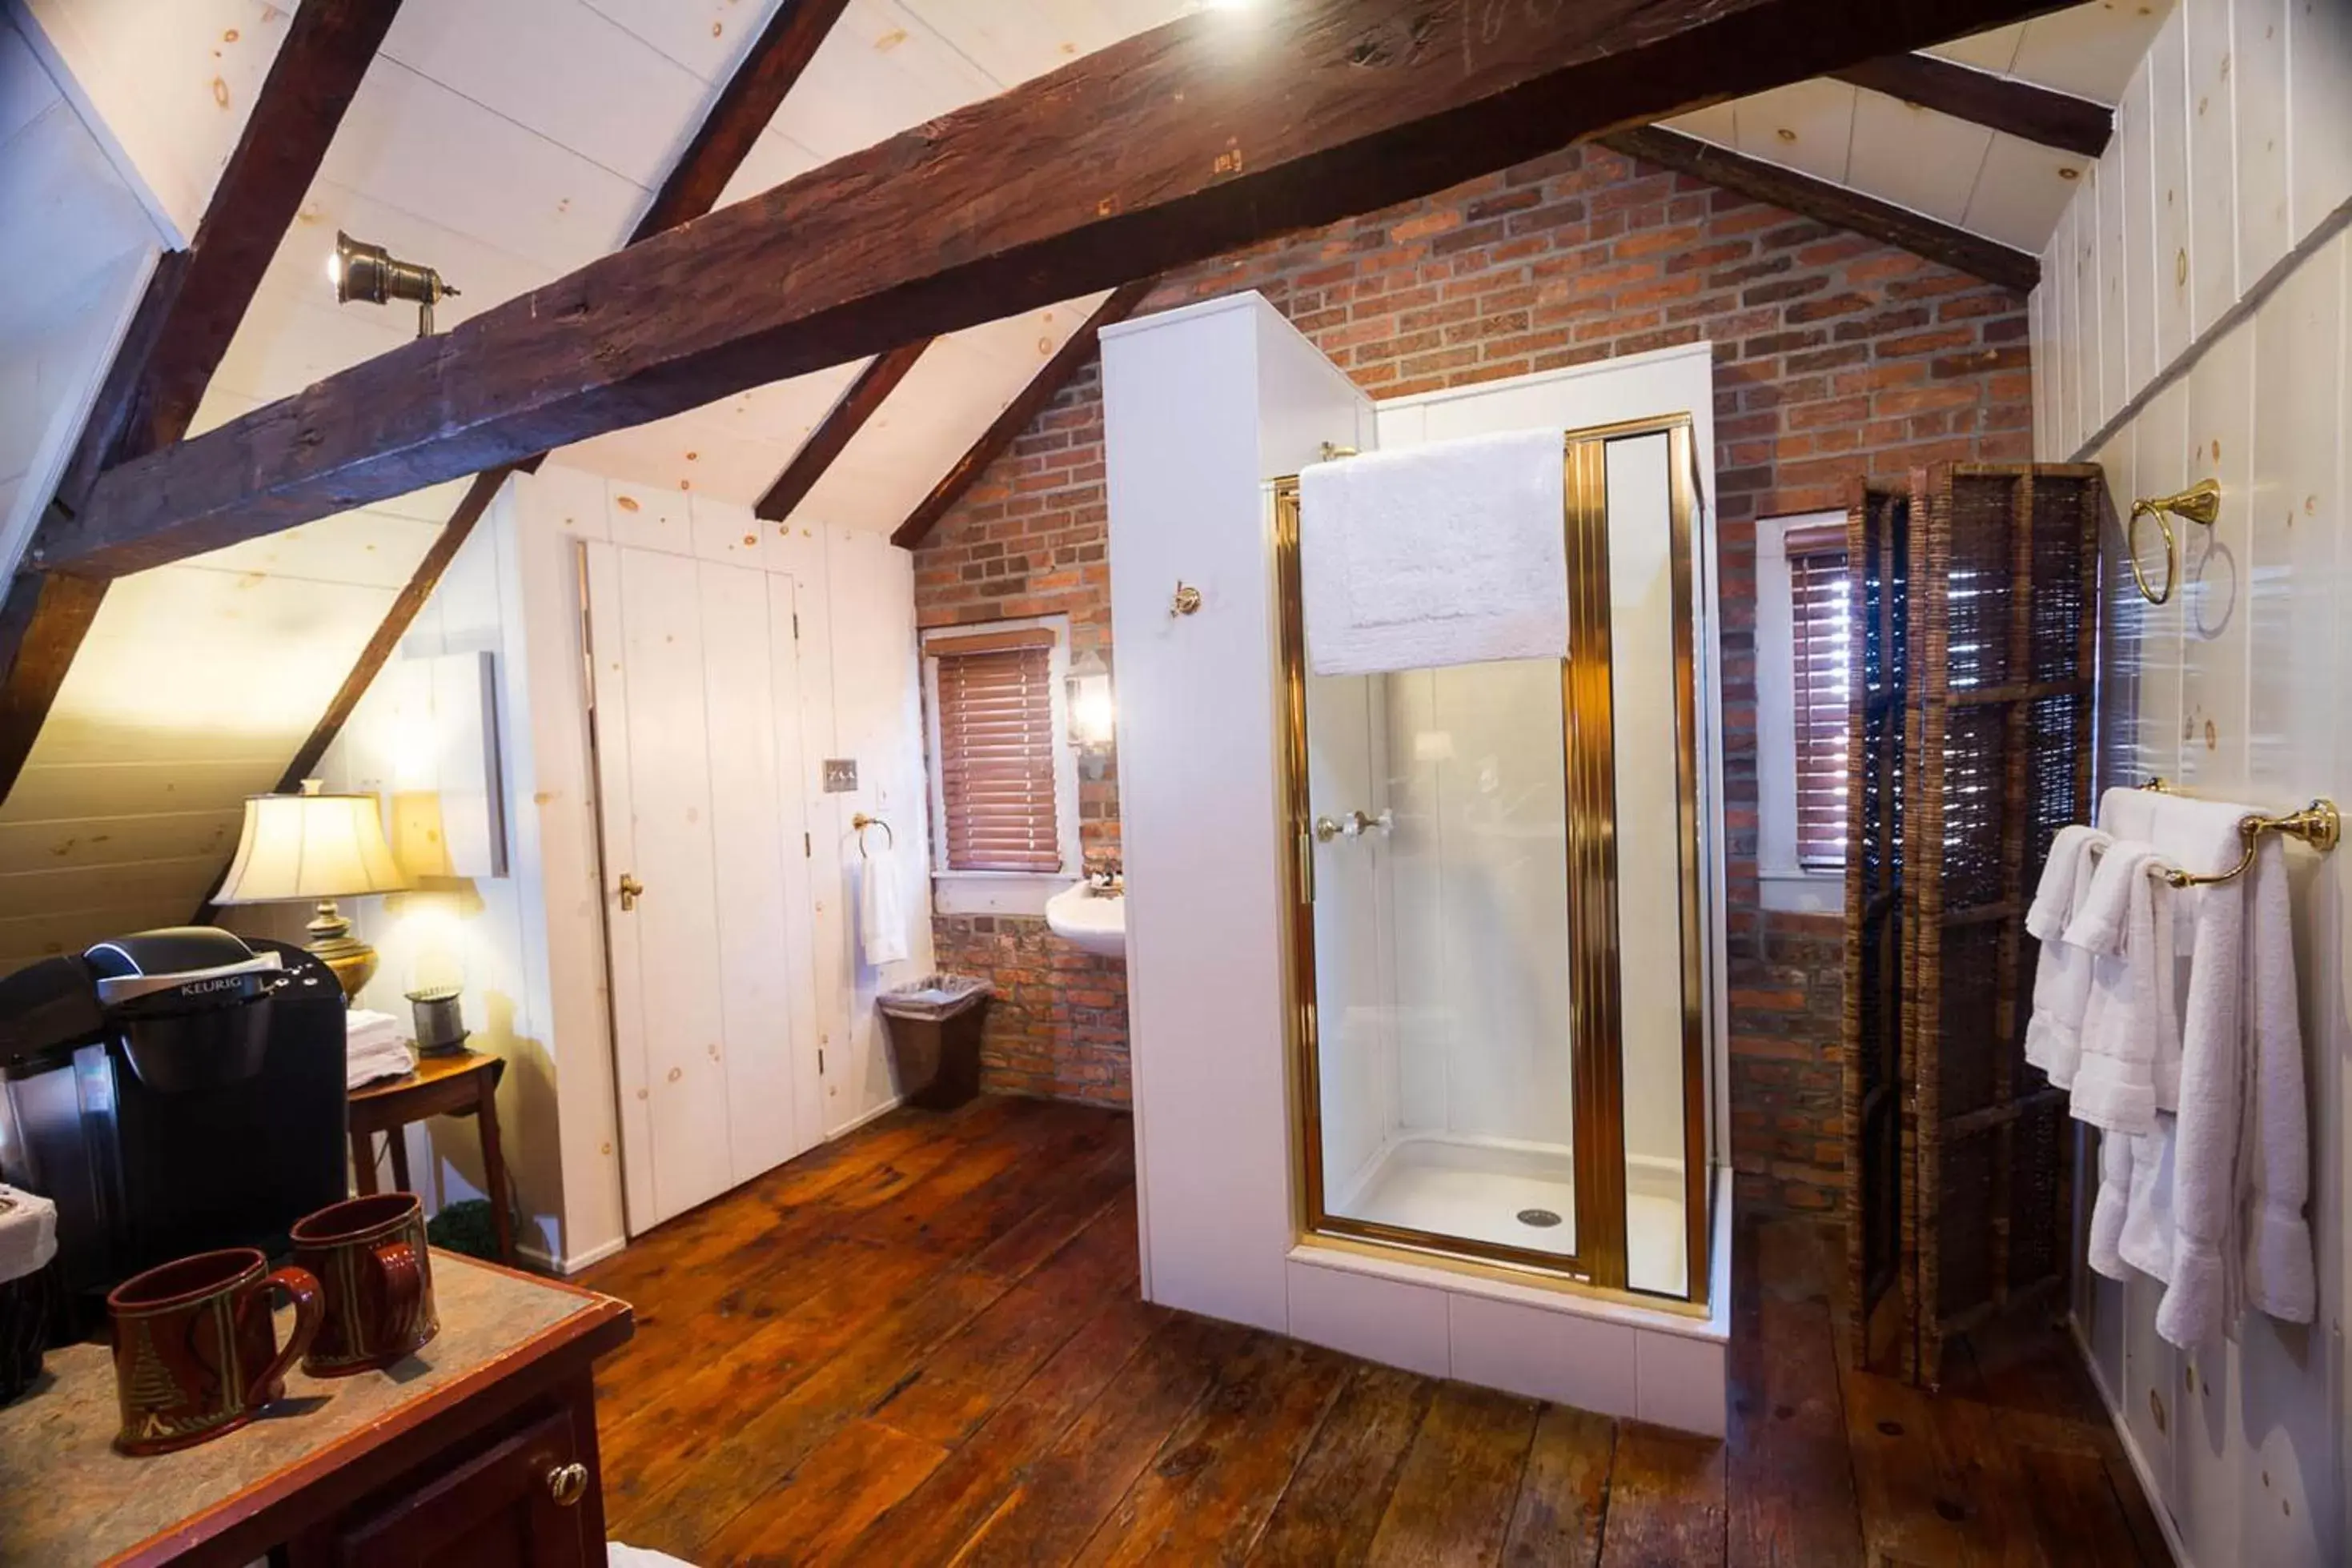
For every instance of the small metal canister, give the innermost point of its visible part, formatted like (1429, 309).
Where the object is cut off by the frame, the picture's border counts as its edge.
(440, 1017)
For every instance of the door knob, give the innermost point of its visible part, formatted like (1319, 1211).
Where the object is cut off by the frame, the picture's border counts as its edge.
(632, 890)
(567, 1484)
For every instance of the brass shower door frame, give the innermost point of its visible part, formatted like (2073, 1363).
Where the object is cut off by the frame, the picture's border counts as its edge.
(1597, 1264)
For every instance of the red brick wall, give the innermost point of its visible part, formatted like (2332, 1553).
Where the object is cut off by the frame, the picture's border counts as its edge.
(1834, 356)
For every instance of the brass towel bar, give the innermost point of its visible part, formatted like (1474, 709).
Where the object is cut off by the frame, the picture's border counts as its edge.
(2319, 824)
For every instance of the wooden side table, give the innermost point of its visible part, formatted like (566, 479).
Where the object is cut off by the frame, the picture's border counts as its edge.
(464, 1083)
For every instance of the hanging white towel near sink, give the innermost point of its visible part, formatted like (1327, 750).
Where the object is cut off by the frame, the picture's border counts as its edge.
(1452, 552)
(881, 908)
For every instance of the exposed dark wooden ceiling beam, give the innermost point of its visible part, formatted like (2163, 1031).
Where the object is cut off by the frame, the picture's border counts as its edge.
(193, 305)
(1831, 203)
(2038, 114)
(743, 110)
(1050, 378)
(1193, 139)
(864, 399)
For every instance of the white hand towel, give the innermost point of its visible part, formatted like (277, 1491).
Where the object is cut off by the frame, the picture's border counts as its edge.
(881, 908)
(2274, 1159)
(2132, 1036)
(2112, 1207)
(2062, 978)
(1452, 552)
(2204, 1182)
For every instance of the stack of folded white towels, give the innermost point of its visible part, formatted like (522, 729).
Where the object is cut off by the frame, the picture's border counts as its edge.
(375, 1049)
(2205, 1161)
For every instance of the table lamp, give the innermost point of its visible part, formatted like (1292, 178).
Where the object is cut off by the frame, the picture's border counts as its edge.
(314, 845)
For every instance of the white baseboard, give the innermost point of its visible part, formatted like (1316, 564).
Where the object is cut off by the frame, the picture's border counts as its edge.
(852, 1125)
(2141, 1469)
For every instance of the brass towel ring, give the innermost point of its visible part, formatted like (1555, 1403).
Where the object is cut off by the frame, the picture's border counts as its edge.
(861, 821)
(2200, 503)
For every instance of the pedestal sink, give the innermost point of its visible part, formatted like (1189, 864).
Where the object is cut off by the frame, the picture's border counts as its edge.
(1089, 919)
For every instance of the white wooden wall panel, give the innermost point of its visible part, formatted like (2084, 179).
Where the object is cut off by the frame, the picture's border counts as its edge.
(2212, 163)
(2235, 688)
(2133, 157)
(2064, 370)
(2114, 280)
(2168, 146)
(2258, 81)
(2092, 400)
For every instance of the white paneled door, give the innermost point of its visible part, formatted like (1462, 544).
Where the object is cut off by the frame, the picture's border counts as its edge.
(696, 695)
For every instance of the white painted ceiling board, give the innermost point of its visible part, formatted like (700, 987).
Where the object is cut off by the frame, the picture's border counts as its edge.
(880, 71)
(1807, 126)
(1914, 157)
(174, 81)
(1014, 40)
(612, 98)
(412, 144)
(772, 159)
(185, 661)
(740, 443)
(705, 36)
(1989, 51)
(27, 846)
(2021, 190)
(114, 788)
(25, 89)
(370, 549)
(1717, 122)
(954, 393)
(2089, 50)
(178, 884)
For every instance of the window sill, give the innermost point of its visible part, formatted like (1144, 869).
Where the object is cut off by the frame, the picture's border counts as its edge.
(995, 892)
(1803, 891)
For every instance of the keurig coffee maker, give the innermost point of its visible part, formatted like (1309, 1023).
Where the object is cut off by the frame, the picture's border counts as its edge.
(172, 1091)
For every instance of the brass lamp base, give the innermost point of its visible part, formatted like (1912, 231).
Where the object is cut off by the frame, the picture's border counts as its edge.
(352, 960)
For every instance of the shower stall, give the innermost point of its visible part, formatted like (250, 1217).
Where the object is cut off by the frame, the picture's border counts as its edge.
(1497, 888)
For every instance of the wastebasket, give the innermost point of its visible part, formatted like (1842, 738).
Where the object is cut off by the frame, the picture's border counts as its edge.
(934, 1038)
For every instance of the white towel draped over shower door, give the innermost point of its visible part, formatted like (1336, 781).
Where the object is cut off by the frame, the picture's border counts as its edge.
(1452, 552)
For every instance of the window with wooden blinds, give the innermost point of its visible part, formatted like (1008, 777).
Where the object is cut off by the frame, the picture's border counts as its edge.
(997, 751)
(1819, 595)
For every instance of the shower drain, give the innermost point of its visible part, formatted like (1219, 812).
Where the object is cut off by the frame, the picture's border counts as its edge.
(1541, 1218)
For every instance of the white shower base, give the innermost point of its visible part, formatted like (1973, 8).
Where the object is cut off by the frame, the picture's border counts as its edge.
(1477, 1189)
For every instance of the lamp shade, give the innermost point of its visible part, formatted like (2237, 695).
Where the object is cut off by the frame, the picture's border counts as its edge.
(310, 846)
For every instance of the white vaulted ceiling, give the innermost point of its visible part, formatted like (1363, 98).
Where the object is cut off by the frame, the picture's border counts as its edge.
(1986, 181)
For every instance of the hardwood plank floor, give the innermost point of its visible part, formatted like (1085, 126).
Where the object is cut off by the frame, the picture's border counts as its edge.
(922, 1344)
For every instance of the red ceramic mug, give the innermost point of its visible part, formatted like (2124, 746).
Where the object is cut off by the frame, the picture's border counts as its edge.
(373, 1264)
(196, 1352)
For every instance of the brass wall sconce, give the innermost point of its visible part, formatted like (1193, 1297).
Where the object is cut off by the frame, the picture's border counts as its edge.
(363, 271)
(2200, 503)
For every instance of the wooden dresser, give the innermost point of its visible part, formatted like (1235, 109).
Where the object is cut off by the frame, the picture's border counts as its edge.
(478, 1450)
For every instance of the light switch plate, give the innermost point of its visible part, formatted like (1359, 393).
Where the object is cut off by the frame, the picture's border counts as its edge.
(840, 775)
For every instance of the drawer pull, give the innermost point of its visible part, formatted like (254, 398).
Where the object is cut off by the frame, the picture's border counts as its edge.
(567, 1484)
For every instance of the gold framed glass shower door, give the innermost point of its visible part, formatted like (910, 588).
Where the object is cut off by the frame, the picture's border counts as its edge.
(1533, 1176)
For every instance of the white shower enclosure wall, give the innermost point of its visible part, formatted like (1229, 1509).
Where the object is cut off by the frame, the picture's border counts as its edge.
(1424, 1005)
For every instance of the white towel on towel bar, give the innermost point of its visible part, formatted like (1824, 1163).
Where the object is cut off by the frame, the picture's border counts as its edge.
(2062, 978)
(1452, 552)
(881, 906)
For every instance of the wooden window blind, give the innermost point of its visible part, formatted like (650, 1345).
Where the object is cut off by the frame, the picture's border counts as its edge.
(997, 752)
(1819, 596)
